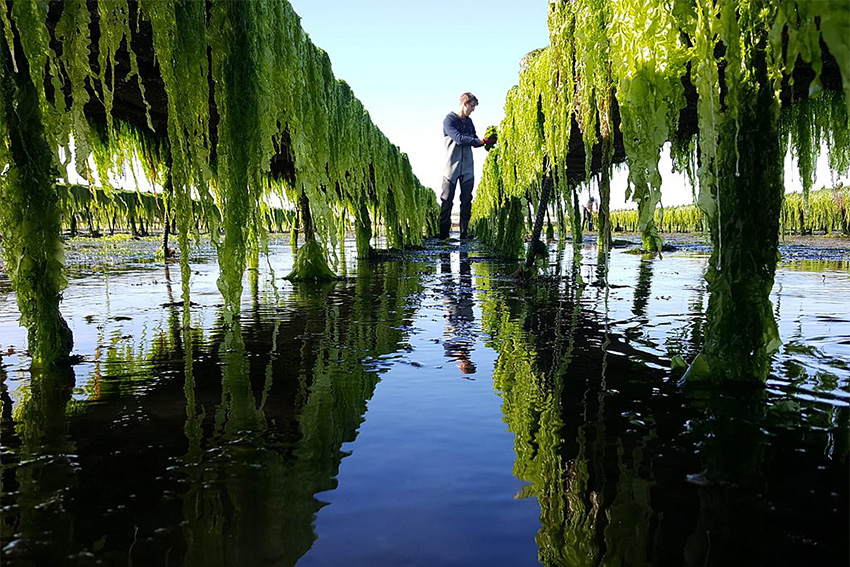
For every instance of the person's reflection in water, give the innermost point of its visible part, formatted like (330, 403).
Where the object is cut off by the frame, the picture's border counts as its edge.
(459, 333)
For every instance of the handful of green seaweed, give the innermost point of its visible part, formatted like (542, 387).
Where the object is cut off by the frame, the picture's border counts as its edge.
(490, 135)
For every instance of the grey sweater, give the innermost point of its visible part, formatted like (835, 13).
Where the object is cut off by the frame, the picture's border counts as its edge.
(459, 138)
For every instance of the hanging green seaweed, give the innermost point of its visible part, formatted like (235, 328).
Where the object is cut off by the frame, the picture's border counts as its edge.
(73, 32)
(275, 98)
(515, 169)
(741, 331)
(813, 125)
(238, 99)
(735, 55)
(30, 216)
(181, 47)
(236, 87)
(647, 58)
(310, 261)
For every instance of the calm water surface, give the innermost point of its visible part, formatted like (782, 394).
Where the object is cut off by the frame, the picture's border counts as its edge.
(427, 410)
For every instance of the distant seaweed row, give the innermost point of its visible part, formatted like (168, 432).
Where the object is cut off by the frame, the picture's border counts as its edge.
(825, 211)
(95, 211)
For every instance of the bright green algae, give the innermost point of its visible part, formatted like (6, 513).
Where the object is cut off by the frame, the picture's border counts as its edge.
(30, 218)
(825, 211)
(741, 331)
(638, 57)
(275, 97)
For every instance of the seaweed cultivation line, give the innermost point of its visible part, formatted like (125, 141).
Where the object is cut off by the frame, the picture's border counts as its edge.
(824, 211)
(730, 83)
(96, 211)
(259, 121)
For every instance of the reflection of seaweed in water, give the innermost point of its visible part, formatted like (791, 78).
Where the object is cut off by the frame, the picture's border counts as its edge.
(233, 510)
(643, 287)
(690, 481)
(262, 505)
(577, 528)
(686, 341)
(732, 455)
(38, 478)
(259, 444)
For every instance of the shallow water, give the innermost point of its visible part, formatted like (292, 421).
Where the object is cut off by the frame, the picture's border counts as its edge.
(426, 411)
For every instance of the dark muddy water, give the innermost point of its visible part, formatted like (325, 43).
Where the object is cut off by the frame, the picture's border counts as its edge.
(428, 411)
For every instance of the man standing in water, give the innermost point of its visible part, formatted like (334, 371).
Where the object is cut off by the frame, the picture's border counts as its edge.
(460, 138)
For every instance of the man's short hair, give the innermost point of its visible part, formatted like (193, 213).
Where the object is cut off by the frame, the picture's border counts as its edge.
(468, 97)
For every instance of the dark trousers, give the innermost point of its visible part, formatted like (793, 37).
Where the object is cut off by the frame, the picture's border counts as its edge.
(587, 221)
(448, 197)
